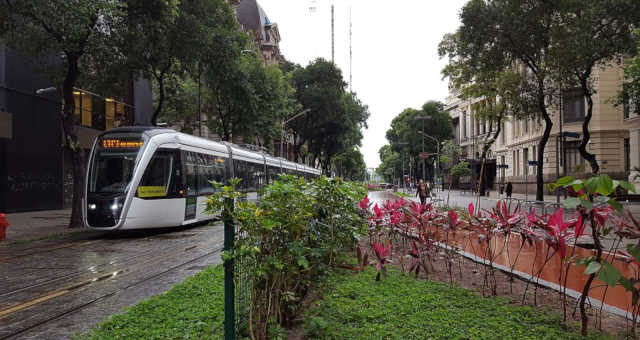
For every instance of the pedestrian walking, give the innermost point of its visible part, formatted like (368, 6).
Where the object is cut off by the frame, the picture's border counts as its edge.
(422, 191)
(509, 189)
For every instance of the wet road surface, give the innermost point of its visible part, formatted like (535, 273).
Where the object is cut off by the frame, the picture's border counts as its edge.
(54, 289)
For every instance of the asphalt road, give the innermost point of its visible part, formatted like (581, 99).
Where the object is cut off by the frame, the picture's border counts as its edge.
(54, 289)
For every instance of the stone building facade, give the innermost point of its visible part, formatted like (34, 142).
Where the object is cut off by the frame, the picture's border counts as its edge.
(615, 137)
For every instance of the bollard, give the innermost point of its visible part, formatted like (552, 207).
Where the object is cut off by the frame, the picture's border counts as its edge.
(4, 224)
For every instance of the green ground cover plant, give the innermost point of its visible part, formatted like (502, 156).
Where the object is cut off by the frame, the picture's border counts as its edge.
(402, 307)
(403, 194)
(190, 310)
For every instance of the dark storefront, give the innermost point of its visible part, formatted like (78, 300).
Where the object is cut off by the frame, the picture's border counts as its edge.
(35, 173)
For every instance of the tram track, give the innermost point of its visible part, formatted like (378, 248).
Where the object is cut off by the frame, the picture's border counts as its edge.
(123, 268)
(91, 269)
(104, 296)
(94, 268)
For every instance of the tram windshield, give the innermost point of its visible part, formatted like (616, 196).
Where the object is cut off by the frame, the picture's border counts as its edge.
(113, 163)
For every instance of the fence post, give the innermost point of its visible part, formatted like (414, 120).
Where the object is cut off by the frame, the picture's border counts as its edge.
(229, 288)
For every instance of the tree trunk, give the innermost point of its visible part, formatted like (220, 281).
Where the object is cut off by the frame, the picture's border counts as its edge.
(543, 142)
(589, 157)
(158, 109)
(485, 150)
(160, 80)
(71, 141)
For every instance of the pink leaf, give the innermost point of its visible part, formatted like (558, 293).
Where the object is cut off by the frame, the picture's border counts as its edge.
(377, 210)
(453, 218)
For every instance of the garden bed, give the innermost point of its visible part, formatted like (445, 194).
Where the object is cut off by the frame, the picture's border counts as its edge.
(193, 309)
(401, 307)
(470, 275)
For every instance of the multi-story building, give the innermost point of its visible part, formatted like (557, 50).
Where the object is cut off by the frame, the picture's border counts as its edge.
(615, 137)
(35, 169)
(265, 34)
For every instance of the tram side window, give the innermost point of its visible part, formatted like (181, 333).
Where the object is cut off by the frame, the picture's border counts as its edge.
(272, 173)
(191, 172)
(241, 172)
(255, 176)
(206, 173)
(220, 169)
(157, 179)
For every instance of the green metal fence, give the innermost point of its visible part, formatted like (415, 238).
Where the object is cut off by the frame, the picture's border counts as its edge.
(237, 285)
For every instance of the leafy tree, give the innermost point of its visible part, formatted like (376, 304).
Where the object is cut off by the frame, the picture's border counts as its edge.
(340, 131)
(630, 94)
(390, 163)
(168, 38)
(404, 135)
(523, 33)
(350, 164)
(247, 99)
(593, 33)
(319, 87)
(77, 32)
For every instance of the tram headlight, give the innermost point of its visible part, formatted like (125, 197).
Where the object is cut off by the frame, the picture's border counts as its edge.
(92, 206)
(114, 206)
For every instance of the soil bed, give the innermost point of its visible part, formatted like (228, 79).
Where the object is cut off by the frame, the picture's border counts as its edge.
(470, 275)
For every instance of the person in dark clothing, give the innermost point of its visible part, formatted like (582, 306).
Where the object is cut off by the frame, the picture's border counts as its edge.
(509, 189)
(422, 191)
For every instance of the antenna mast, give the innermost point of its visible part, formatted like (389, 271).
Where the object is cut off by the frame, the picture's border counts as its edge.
(332, 37)
(350, 55)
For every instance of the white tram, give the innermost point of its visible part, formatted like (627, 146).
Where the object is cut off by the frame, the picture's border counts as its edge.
(148, 177)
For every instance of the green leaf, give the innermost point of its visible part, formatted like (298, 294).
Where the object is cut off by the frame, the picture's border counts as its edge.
(626, 283)
(615, 204)
(564, 180)
(628, 186)
(572, 202)
(591, 185)
(634, 250)
(593, 267)
(604, 185)
(587, 204)
(609, 274)
(302, 261)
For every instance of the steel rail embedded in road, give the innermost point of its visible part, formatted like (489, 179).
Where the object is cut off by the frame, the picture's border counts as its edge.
(104, 296)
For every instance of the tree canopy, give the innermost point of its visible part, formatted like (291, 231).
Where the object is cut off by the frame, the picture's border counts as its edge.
(406, 141)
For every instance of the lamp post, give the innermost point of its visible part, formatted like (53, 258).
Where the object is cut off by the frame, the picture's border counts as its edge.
(422, 118)
(402, 158)
(285, 122)
(437, 151)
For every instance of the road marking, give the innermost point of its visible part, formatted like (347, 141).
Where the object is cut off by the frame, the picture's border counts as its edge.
(32, 302)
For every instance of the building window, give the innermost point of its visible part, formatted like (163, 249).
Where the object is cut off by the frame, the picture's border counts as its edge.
(573, 106)
(525, 160)
(464, 125)
(629, 104)
(627, 157)
(573, 160)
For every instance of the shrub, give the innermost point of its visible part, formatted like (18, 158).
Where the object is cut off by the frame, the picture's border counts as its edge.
(290, 241)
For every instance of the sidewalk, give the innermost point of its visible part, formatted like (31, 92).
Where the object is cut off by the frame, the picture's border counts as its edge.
(38, 224)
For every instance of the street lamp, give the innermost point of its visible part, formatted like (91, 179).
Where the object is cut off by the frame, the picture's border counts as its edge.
(437, 151)
(422, 118)
(285, 122)
(402, 158)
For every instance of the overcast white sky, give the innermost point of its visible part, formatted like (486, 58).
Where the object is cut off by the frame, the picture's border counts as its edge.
(395, 57)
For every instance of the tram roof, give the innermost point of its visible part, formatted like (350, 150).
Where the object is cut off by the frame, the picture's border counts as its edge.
(149, 130)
